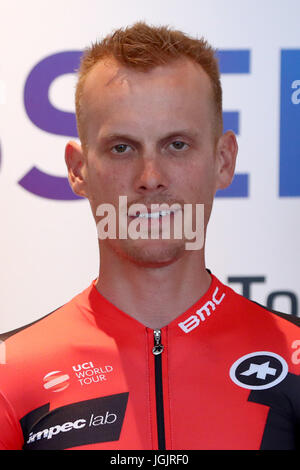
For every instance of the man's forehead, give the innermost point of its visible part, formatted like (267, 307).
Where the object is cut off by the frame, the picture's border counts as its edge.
(109, 73)
(114, 92)
(105, 72)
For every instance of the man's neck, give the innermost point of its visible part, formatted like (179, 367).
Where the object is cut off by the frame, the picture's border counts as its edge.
(154, 296)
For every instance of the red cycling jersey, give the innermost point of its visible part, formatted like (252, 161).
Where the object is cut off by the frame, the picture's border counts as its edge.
(223, 375)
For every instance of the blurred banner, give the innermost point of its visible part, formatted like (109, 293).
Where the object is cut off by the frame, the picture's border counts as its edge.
(48, 246)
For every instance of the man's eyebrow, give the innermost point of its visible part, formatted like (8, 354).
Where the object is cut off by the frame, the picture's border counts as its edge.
(107, 138)
(182, 132)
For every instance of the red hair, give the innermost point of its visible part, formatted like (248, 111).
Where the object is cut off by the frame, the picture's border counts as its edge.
(143, 47)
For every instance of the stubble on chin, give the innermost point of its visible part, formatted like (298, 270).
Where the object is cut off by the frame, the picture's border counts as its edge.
(150, 254)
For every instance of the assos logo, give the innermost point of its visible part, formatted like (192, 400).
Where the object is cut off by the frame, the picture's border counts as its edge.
(81, 423)
(258, 370)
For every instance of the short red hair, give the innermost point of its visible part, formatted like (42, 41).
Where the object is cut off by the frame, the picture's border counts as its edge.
(143, 47)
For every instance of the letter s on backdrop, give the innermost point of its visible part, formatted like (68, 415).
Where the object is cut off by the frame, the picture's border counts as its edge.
(50, 119)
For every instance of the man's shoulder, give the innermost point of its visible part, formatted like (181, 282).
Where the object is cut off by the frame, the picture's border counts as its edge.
(293, 319)
(58, 322)
(12, 333)
(41, 337)
(32, 354)
(252, 307)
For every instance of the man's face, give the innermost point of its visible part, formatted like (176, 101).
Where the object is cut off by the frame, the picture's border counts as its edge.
(150, 137)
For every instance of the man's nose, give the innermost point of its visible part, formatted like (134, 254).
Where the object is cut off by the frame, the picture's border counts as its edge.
(151, 177)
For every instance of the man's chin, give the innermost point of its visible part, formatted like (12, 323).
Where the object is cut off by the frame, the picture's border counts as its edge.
(150, 253)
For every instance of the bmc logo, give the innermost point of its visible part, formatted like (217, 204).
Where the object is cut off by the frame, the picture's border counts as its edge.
(49, 118)
(202, 313)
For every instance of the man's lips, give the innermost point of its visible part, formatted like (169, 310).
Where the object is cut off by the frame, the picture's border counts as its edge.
(156, 214)
(154, 210)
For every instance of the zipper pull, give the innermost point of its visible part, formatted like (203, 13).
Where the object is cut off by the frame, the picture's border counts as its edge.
(158, 347)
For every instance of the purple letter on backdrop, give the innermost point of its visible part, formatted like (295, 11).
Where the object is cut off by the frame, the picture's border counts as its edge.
(50, 119)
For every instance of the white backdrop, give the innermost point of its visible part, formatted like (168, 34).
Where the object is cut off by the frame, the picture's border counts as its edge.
(48, 247)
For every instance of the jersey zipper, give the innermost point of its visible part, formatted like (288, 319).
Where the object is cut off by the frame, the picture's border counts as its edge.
(157, 351)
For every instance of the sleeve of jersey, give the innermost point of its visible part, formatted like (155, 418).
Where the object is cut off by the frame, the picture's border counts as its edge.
(11, 436)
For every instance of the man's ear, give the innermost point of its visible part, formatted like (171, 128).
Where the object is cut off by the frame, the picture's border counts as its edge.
(77, 166)
(226, 153)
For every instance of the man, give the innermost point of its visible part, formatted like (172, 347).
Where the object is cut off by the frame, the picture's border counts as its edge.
(156, 353)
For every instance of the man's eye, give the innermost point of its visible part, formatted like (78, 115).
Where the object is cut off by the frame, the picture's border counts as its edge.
(179, 145)
(120, 148)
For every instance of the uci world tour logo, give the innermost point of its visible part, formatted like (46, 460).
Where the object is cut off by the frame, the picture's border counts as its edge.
(86, 374)
(258, 370)
(56, 381)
